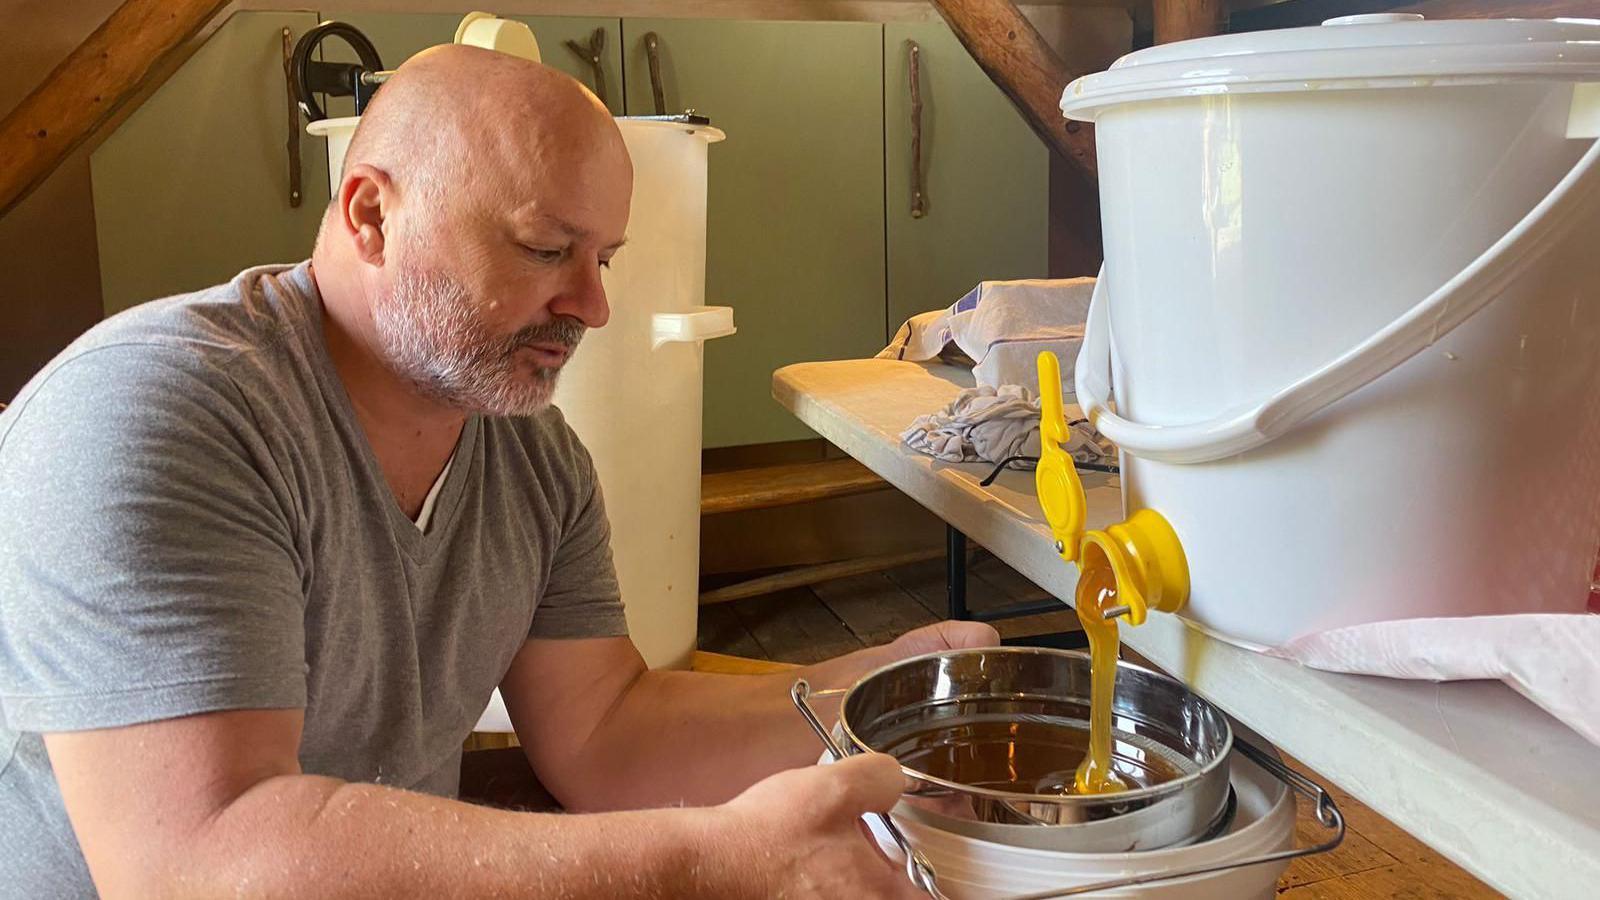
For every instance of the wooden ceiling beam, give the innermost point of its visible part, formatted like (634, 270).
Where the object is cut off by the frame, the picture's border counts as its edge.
(109, 67)
(1016, 58)
(1180, 20)
(1027, 69)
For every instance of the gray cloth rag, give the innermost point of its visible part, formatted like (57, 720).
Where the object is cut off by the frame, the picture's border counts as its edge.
(991, 424)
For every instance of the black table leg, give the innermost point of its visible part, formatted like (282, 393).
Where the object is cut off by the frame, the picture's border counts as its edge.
(956, 572)
(956, 592)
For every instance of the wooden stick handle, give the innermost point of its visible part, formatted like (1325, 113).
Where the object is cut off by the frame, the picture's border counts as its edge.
(652, 52)
(918, 206)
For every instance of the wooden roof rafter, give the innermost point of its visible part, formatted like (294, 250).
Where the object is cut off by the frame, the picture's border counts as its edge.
(136, 42)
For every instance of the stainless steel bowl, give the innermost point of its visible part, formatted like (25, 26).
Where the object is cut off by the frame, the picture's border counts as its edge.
(990, 738)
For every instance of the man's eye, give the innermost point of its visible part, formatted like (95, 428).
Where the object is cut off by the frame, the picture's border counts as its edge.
(605, 263)
(545, 255)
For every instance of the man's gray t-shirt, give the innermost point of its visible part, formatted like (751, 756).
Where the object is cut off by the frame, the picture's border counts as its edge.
(192, 520)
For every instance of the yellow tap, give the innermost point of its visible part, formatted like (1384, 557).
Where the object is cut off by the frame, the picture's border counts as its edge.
(1124, 571)
(1145, 559)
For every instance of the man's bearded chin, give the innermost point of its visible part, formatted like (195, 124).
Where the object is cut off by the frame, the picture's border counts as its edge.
(434, 338)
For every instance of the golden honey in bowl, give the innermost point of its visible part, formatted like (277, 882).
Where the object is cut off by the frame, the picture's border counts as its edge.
(1027, 754)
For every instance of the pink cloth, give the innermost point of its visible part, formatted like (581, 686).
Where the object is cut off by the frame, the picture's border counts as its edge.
(1553, 660)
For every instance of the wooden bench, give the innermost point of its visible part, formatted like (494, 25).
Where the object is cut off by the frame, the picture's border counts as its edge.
(767, 487)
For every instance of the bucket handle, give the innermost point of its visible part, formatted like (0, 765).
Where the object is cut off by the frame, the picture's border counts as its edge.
(918, 870)
(1234, 431)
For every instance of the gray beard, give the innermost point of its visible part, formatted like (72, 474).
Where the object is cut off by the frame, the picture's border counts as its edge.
(433, 337)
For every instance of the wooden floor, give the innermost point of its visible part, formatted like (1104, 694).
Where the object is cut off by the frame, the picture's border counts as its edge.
(805, 625)
(1376, 860)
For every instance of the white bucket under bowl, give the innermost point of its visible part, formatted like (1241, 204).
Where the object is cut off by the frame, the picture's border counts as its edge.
(1350, 316)
(972, 869)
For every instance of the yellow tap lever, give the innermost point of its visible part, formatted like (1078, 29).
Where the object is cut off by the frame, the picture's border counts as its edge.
(1055, 479)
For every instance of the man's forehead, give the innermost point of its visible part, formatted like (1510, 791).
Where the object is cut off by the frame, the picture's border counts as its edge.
(538, 215)
(535, 216)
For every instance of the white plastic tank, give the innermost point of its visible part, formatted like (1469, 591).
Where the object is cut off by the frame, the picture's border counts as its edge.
(633, 390)
(338, 131)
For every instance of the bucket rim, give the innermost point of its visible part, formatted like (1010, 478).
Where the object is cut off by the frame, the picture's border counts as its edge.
(1363, 55)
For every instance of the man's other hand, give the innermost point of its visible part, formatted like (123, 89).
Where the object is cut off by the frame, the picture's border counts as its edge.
(948, 635)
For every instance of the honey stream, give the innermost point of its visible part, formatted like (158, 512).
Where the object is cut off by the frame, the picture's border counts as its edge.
(1097, 591)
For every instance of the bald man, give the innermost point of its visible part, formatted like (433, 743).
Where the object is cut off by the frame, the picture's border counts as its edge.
(266, 549)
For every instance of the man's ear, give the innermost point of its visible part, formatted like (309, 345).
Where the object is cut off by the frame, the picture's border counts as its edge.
(365, 197)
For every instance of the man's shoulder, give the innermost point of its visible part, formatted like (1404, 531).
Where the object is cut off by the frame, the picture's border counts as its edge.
(253, 309)
(168, 358)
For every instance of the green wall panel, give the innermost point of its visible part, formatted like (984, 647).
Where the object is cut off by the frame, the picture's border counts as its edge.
(986, 177)
(795, 239)
(193, 186)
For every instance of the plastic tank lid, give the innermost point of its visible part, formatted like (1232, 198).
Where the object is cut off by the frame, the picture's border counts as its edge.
(1369, 51)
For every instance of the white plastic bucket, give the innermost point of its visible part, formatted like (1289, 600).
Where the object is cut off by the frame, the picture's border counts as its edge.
(972, 869)
(1349, 316)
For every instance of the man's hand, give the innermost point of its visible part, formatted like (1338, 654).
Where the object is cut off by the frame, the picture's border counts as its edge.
(948, 635)
(799, 834)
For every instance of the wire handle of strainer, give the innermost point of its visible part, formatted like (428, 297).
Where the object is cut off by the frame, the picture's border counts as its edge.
(918, 869)
(1328, 816)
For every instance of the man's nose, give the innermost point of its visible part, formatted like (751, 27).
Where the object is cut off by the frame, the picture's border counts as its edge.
(584, 297)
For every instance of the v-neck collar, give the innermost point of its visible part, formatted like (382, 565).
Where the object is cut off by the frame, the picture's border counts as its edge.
(417, 543)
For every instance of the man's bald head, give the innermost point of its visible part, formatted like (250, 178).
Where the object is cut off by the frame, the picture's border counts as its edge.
(454, 117)
(482, 194)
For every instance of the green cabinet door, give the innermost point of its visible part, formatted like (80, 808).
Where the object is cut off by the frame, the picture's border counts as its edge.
(194, 185)
(985, 175)
(795, 218)
(400, 35)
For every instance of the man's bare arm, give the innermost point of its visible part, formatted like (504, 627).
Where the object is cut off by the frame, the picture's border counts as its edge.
(605, 733)
(215, 804)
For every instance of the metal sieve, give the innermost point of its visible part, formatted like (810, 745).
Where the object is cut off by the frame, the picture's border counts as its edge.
(990, 740)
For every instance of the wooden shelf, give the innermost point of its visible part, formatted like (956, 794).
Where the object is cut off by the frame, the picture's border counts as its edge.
(770, 486)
